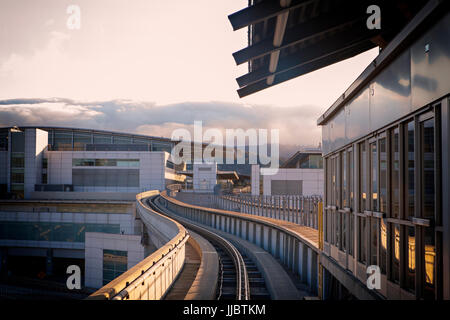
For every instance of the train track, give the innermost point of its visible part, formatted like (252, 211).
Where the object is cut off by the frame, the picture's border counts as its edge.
(239, 278)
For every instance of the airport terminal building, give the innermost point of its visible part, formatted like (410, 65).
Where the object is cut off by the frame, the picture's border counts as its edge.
(386, 150)
(385, 141)
(67, 163)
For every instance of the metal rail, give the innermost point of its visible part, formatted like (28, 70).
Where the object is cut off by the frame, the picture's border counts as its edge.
(242, 281)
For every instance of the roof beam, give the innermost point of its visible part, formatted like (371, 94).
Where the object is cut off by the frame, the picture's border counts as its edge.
(308, 67)
(262, 11)
(298, 34)
(334, 44)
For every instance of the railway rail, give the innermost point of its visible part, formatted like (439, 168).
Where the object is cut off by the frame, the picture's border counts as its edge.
(239, 278)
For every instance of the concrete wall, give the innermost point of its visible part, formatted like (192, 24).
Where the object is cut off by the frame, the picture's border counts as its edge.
(205, 176)
(94, 245)
(255, 179)
(312, 180)
(54, 195)
(36, 141)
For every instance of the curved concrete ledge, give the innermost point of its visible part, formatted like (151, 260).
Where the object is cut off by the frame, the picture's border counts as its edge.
(296, 246)
(151, 278)
(204, 286)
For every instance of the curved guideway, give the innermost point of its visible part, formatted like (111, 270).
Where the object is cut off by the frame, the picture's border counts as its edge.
(241, 287)
(266, 277)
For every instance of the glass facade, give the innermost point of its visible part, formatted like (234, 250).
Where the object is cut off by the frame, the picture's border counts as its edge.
(52, 231)
(398, 221)
(3, 140)
(80, 139)
(114, 178)
(311, 161)
(17, 169)
(76, 140)
(62, 140)
(122, 140)
(126, 163)
(114, 264)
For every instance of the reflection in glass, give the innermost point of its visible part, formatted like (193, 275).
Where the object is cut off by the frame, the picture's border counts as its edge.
(427, 133)
(410, 258)
(363, 175)
(374, 175)
(362, 239)
(383, 176)
(395, 168)
(62, 140)
(102, 139)
(344, 179)
(395, 248)
(409, 176)
(430, 263)
(374, 241)
(351, 179)
(383, 247)
(80, 140)
(114, 264)
(428, 204)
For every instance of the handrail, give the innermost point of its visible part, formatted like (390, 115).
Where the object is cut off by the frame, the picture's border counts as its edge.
(279, 238)
(123, 286)
(270, 222)
(298, 209)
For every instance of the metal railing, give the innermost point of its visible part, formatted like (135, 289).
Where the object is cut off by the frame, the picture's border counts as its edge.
(151, 278)
(301, 210)
(281, 240)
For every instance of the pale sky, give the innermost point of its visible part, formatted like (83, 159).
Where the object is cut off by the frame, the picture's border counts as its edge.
(151, 52)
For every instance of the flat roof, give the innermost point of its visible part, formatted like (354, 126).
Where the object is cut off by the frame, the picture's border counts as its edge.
(290, 38)
(118, 133)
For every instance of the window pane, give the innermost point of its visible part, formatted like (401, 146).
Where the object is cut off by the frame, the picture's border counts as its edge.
(102, 139)
(430, 263)
(428, 205)
(362, 239)
(122, 140)
(427, 133)
(383, 245)
(62, 140)
(395, 163)
(80, 140)
(352, 232)
(410, 258)
(410, 194)
(351, 179)
(17, 160)
(374, 241)
(395, 249)
(17, 142)
(344, 179)
(374, 175)
(383, 176)
(363, 176)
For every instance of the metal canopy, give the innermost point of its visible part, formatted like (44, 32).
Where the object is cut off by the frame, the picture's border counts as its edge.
(289, 38)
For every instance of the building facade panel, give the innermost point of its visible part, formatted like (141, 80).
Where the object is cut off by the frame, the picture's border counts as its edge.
(384, 189)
